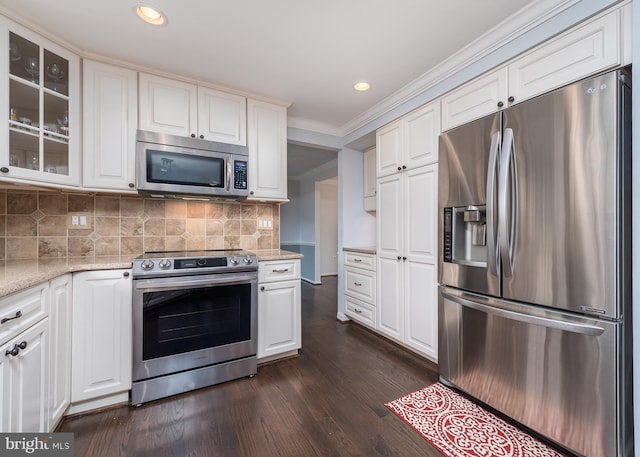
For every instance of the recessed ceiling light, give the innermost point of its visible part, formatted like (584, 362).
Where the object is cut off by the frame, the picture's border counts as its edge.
(150, 14)
(361, 86)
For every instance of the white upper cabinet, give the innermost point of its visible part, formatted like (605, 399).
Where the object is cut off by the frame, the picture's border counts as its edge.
(41, 95)
(110, 119)
(575, 54)
(179, 108)
(267, 131)
(222, 117)
(409, 142)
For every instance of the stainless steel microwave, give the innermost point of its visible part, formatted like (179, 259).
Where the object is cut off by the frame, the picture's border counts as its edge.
(174, 166)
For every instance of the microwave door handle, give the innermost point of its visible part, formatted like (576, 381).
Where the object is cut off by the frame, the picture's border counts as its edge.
(229, 174)
(492, 254)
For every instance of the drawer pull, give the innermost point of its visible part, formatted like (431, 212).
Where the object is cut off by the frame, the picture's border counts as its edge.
(16, 349)
(357, 260)
(358, 311)
(357, 284)
(284, 270)
(7, 319)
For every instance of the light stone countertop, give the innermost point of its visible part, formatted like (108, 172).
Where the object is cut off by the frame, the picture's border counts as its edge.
(361, 250)
(17, 275)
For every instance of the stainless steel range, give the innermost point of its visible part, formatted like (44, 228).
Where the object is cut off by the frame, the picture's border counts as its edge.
(194, 320)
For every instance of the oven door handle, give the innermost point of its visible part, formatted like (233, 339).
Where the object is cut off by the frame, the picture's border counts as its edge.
(183, 282)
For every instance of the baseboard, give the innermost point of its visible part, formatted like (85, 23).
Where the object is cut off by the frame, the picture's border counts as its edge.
(315, 283)
(343, 317)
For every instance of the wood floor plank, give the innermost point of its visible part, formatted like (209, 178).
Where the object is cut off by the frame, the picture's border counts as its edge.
(328, 401)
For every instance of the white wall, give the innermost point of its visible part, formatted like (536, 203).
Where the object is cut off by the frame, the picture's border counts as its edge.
(290, 215)
(327, 227)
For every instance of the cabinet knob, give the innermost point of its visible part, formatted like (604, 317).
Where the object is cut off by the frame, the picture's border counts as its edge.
(251, 193)
(399, 257)
(500, 104)
(399, 168)
(132, 185)
(193, 135)
(202, 137)
(262, 288)
(511, 99)
(4, 170)
(404, 167)
(125, 274)
(404, 258)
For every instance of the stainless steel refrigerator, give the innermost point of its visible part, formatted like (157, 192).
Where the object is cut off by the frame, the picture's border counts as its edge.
(534, 272)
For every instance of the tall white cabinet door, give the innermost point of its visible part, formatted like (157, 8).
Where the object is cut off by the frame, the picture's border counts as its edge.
(102, 334)
(483, 95)
(167, 106)
(279, 320)
(222, 117)
(421, 214)
(390, 219)
(59, 389)
(267, 132)
(25, 380)
(422, 128)
(110, 120)
(389, 149)
(390, 296)
(421, 307)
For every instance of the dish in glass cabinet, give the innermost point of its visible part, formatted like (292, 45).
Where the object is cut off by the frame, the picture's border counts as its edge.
(24, 120)
(14, 52)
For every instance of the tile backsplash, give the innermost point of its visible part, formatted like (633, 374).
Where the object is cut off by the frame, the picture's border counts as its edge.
(37, 224)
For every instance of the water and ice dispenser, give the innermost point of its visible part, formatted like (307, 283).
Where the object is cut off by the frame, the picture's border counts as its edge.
(465, 235)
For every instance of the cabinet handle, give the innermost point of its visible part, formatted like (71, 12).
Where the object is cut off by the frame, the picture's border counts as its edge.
(7, 319)
(358, 311)
(285, 270)
(16, 349)
(357, 260)
(511, 99)
(4, 170)
(357, 284)
(500, 104)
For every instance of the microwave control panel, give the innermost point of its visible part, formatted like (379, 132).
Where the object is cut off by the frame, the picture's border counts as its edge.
(239, 174)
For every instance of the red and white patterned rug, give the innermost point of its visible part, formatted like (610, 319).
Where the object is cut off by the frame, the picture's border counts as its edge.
(457, 427)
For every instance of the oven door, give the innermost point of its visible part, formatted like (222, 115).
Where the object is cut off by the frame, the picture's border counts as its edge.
(187, 322)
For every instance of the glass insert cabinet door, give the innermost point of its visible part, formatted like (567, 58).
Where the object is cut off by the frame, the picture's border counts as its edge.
(41, 102)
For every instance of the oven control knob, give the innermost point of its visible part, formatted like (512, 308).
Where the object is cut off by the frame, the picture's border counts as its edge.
(201, 262)
(165, 264)
(248, 260)
(147, 265)
(234, 261)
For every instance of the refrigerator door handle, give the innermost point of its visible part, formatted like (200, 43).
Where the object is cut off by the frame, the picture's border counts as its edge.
(574, 327)
(492, 245)
(507, 203)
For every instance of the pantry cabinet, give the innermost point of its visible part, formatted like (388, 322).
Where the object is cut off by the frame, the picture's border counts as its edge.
(590, 48)
(110, 120)
(41, 94)
(406, 296)
(267, 130)
(279, 309)
(179, 108)
(102, 339)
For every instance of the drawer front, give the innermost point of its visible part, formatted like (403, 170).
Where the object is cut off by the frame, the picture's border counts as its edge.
(360, 311)
(278, 270)
(360, 284)
(21, 310)
(366, 261)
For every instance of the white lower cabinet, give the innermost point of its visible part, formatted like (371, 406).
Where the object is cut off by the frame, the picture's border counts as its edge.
(24, 380)
(102, 338)
(279, 309)
(59, 385)
(359, 287)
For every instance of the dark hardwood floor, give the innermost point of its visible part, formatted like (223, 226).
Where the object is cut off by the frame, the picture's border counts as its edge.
(329, 401)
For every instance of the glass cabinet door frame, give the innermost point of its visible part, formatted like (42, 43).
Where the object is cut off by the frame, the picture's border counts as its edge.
(44, 174)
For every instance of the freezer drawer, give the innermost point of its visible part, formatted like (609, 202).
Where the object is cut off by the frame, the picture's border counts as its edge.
(558, 374)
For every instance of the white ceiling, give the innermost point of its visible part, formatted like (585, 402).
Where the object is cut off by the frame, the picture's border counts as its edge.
(306, 53)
